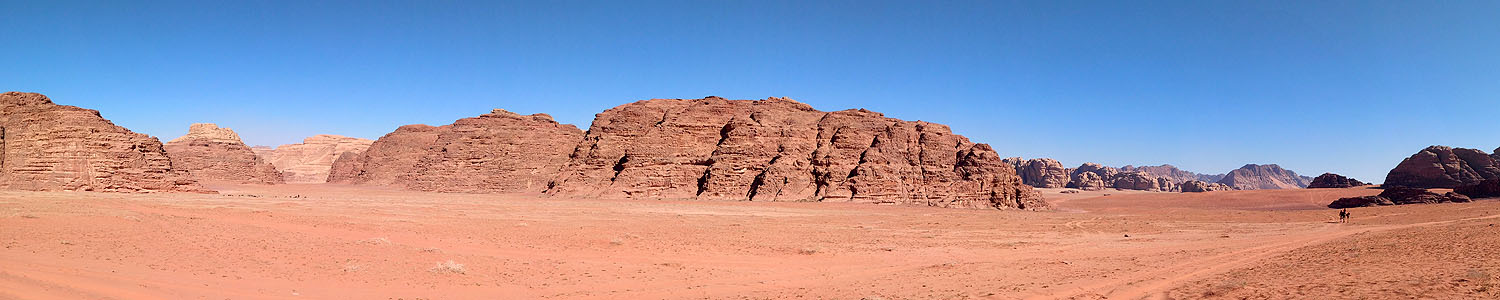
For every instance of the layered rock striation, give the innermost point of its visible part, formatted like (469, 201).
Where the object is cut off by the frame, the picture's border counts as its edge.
(311, 160)
(498, 152)
(50, 147)
(761, 150)
(212, 153)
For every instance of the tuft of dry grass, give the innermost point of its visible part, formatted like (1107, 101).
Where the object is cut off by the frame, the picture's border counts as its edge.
(447, 267)
(807, 251)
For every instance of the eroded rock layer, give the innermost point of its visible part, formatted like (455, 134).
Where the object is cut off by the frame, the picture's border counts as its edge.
(311, 160)
(499, 152)
(49, 147)
(1333, 181)
(212, 153)
(782, 150)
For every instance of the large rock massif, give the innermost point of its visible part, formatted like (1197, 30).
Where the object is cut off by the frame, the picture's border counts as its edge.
(49, 147)
(1445, 167)
(498, 152)
(1333, 181)
(1041, 172)
(713, 148)
(1173, 173)
(1264, 177)
(310, 161)
(212, 153)
(1199, 186)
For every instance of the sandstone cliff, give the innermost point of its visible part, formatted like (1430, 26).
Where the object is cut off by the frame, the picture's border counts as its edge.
(1041, 172)
(311, 160)
(499, 152)
(782, 150)
(49, 147)
(1264, 177)
(1173, 173)
(212, 153)
(1445, 167)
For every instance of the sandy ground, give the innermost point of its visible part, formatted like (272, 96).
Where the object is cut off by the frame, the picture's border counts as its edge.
(342, 242)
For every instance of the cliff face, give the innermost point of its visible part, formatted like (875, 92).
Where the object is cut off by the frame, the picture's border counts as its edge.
(212, 153)
(767, 150)
(49, 147)
(782, 150)
(1445, 167)
(499, 152)
(311, 160)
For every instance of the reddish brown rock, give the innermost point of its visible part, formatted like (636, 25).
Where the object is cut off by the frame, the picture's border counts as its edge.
(1264, 177)
(1489, 188)
(1136, 181)
(1092, 177)
(1407, 195)
(311, 160)
(1361, 201)
(1444, 167)
(49, 147)
(1041, 172)
(1333, 181)
(499, 152)
(211, 153)
(782, 150)
(1198, 186)
(390, 160)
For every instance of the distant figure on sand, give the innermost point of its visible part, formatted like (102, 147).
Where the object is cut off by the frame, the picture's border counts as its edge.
(1343, 216)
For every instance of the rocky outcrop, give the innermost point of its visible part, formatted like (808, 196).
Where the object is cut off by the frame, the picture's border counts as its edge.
(212, 153)
(311, 160)
(498, 152)
(1172, 173)
(1264, 177)
(1406, 195)
(1489, 188)
(1136, 181)
(1198, 186)
(1333, 181)
(1041, 172)
(390, 160)
(1444, 167)
(50, 147)
(1092, 177)
(782, 150)
(1361, 201)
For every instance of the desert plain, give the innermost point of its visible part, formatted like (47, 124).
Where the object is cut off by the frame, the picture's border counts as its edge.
(332, 241)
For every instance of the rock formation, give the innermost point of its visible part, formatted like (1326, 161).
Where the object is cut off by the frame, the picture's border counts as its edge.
(1444, 167)
(1264, 177)
(1489, 188)
(498, 152)
(1040, 172)
(1173, 173)
(310, 161)
(1136, 181)
(50, 147)
(1092, 177)
(781, 150)
(1198, 186)
(1361, 201)
(211, 153)
(1406, 195)
(1333, 181)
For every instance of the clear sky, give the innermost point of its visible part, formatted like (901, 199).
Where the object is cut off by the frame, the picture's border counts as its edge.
(1349, 87)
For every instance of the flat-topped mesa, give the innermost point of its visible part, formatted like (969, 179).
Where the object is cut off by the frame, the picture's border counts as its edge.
(779, 149)
(216, 154)
(498, 152)
(311, 160)
(49, 147)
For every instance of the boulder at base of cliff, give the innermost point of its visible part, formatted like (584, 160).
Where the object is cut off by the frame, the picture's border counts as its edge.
(1484, 189)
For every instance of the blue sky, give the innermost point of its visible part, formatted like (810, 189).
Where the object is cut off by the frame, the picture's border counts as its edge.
(1317, 86)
